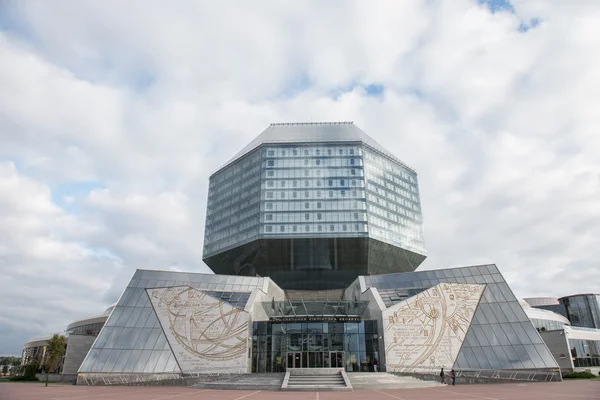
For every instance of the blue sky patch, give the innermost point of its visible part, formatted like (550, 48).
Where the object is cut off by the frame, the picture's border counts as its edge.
(72, 189)
(498, 6)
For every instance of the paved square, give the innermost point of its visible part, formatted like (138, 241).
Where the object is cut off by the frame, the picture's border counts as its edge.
(570, 390)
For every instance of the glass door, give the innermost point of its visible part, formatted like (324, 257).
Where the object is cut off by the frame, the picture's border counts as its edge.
(336, 359)
(294, 360)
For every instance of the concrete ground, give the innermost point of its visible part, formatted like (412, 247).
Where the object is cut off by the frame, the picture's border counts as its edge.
(568, 390)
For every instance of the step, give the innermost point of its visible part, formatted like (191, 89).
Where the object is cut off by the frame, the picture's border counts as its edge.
(300, 382)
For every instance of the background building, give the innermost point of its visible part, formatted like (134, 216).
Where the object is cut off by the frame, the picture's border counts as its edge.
(81, 334)
(582, 309)
(544, 320)
(312, 206)
(575, 348)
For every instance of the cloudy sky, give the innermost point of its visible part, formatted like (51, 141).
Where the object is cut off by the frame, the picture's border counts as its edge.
(113, 115)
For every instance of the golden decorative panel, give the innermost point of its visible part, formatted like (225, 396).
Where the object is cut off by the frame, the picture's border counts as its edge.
(425, 332)
(205, 333)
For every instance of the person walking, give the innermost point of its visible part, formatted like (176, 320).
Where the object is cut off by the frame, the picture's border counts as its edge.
(453, 377)
(443, 376)
(375, 364)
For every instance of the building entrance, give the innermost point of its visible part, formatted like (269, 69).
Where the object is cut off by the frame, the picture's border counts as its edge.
(279, 345)
(316, 359)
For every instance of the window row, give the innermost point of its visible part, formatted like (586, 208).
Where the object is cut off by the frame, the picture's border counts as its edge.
(327, 173)
(295, 194)
(318, 163)
(325, 204)
(324, 216)
(271, 183)
(312, 228)
(313, 151)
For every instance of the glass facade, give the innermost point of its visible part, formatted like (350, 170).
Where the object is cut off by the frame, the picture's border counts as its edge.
(87, 329)
(583, 310)
(278, 346)
(501, 336)
(547, 324)
(585, 353)
(312, 206)
(132, 340)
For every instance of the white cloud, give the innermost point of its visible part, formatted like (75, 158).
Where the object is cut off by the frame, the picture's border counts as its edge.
(147, 100)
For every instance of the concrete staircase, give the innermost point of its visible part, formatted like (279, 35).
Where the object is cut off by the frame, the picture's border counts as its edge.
(316, 380)
(383, 380)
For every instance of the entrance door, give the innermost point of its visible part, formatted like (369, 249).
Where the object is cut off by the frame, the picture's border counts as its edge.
(294, 360)
(336, 359)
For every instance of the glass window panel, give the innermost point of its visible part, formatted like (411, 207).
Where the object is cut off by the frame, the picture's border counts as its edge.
(535, 357)
(132, 361)
(143, 338)
(162, 362)
(488, 296)
(152, 339)
(129, 342)
(122, 340)
(104, 335)
(152, 360)
(112, 339)
(143, 315)
(481, 358)
(523, 356)
(472, 342)
(518, 311)
(114, 317)
(497, 310)
(480, 335)
(120, 363)
(479, 317)
(510, 315)
(492, 359)
(491, 269)
(547, 358)
(102, 357)
(89, 361)
(502, 358)
(489, 314)
(513, 358)
(461, 362)
(143, 300)
(521, 334)
(160, 342)
(152, 320)
(124, 317)
(139, 366)
(135, 296)
(533, 334)
(470, 358)
(111, 360)
(490, 335)
(499, 332)
(172, 364)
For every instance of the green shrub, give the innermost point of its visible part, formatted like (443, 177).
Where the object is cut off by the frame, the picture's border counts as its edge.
(22, 378)
(580, 375)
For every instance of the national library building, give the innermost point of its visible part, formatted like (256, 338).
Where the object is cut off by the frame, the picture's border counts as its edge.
(314, 232)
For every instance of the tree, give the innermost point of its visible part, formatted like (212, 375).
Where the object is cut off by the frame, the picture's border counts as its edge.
(5, 369)
(55, 350)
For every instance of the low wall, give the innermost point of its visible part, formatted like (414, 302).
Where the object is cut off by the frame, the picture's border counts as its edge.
(488, 376)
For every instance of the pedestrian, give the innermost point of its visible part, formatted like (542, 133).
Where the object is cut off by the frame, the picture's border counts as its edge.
(375, 364)
(443, 376)
(453, 377)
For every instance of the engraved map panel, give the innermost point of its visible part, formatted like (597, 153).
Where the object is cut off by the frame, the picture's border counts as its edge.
(425, 332)
(205, 333)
